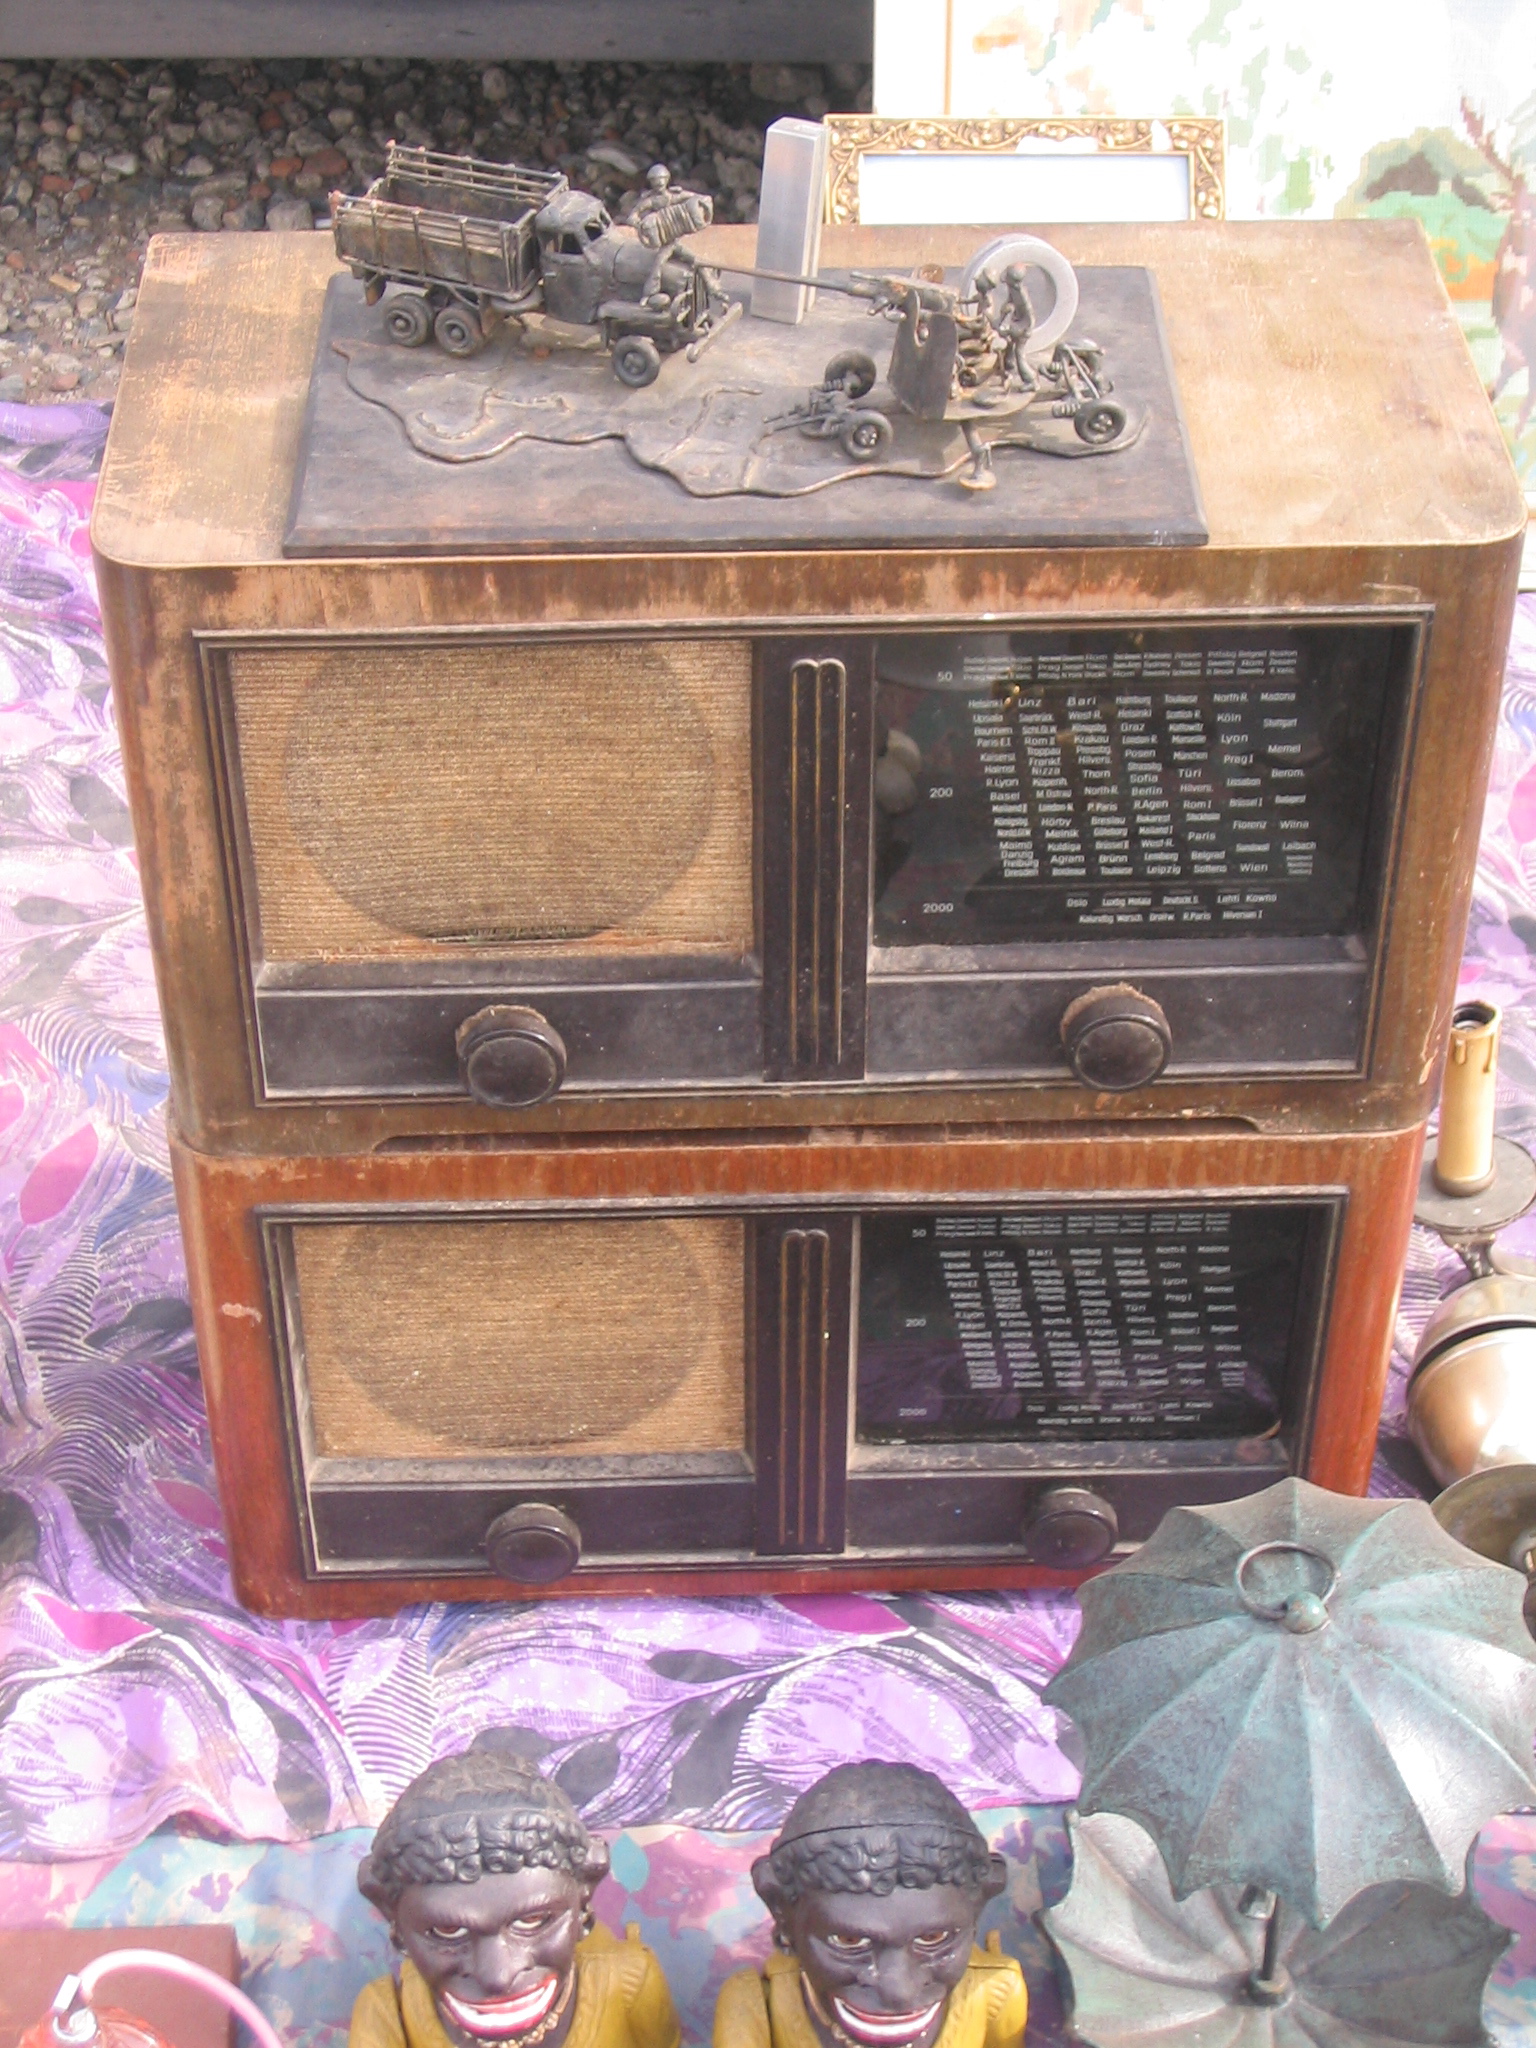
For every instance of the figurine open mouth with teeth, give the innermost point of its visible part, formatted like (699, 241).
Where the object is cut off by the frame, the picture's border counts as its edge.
(485, 1873)
(876, 1884)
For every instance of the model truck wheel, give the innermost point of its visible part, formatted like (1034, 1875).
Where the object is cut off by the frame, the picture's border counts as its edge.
(408, 320)
(458, 332)
(636, 361)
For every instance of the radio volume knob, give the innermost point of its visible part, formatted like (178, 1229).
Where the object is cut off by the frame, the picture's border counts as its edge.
(533, 1543)
(509, 1057)
(1116, 1038)
(1070, 1527)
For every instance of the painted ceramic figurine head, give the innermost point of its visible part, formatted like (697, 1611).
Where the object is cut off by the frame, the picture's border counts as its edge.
(876, 1884)
(485, 1872)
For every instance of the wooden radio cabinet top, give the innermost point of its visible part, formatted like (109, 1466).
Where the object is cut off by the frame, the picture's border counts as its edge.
(1329, 398)
(274, 708)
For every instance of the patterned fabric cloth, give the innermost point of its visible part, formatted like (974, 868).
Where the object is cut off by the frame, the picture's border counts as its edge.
(163, 1754)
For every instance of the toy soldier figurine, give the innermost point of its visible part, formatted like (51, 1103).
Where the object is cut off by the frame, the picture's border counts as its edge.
(656, 197)
(875, 1885)
(1015, 323)
(485, 1873)
(978, 345)
(661, 217)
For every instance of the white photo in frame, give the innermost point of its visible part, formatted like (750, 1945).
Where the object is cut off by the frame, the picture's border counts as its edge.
(920, 171)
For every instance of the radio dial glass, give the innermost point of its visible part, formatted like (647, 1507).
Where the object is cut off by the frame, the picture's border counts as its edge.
(1036, 1325)
(1168, 782)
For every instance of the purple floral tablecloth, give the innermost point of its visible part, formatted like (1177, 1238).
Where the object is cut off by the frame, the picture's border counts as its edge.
(163, 1754)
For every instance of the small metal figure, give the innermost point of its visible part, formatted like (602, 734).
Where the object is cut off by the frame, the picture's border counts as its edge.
(661, 218)
(656, 197)
(1015, 324)
(485, 1872)
(876, 1883)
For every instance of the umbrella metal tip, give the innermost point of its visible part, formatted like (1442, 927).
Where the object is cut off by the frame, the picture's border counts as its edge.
(1303, 1613)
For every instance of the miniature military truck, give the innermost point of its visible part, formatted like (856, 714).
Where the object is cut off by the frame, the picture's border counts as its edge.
(472, 245)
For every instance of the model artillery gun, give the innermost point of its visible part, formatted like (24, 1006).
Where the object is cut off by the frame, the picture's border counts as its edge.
(475, 246)
(966, 353)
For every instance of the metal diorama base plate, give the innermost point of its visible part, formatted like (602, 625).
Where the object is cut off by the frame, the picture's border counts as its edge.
(410, 451)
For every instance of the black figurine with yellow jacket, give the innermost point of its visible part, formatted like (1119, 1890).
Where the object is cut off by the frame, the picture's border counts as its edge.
(485, 1873)
(876, 1884)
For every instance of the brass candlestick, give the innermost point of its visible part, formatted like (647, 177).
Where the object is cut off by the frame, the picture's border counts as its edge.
(1473, 1184)
(1472, 1396)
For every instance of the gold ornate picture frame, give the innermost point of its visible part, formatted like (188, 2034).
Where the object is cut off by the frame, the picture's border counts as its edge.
(851, 137)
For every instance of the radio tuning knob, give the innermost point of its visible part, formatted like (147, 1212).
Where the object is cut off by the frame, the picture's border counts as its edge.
(1116, 1038)
(533, 1543)
(1069, 1527)
(509, 1057)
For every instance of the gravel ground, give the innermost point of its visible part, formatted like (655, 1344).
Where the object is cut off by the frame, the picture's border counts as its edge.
(96, 157)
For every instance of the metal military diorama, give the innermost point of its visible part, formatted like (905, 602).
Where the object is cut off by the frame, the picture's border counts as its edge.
(476, 256)
(1298, 1710)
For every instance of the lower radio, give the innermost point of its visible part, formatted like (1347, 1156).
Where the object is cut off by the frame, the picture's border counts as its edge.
(458, 1372)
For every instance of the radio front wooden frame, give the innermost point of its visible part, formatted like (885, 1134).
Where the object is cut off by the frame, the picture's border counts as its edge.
(236, 1207)
(816, 1002)
(1383, 491)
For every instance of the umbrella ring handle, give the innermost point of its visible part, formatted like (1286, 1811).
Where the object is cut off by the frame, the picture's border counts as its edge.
(1301, 1613)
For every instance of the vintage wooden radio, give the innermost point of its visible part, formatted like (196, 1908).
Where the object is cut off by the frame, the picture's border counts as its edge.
(597, 805)
(779, 1362)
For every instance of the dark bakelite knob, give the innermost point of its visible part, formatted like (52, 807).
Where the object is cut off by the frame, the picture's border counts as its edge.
(533, 1543)
(1116, 1038)
(510, 1057)
(1069, 1527)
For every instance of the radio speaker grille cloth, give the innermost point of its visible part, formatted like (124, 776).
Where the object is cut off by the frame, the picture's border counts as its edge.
(463, 1339)
(582, 796)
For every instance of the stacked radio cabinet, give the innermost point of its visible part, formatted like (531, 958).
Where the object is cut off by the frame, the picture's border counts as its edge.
(764, 1064)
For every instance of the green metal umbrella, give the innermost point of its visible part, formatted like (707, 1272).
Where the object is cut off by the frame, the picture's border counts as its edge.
(1306, 1693)
(1401, 1966)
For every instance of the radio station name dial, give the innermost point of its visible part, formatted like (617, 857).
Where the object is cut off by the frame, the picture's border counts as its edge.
(1116, 1038)
(510, 1057)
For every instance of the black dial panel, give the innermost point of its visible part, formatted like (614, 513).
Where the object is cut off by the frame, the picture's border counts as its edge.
(1042, 1324)
(1164, 782)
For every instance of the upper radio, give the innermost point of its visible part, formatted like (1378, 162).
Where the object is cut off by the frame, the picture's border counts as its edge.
(722, 827)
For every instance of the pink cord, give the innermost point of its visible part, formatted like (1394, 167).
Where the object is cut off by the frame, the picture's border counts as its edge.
(189, 1973)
